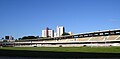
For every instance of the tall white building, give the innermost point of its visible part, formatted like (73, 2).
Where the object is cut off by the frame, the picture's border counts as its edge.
(60, 30)
(55, 34)
(47, 33)
(50, 33)
(44, 33)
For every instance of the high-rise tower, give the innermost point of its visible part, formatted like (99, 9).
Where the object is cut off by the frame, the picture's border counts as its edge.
(47, 33)
(60, 30)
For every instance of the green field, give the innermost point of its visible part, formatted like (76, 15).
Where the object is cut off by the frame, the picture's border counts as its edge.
(68, 49)
(61, 52)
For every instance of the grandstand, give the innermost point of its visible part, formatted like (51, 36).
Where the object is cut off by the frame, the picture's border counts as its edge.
(97, 38)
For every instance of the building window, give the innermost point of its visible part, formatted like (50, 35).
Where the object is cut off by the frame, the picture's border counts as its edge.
(75, 36)
(80, 35)
(95, 34)
(90, 34)
(112, 33)
(117, 32)
(85, 35)
(101, 33)
(106, 33)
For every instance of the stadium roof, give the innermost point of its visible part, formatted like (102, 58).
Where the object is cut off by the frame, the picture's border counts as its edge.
(98, 31)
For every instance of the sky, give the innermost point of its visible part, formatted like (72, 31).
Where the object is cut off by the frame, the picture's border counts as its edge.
(20, 18)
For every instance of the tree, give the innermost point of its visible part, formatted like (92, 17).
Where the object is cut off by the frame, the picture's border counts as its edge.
(37, 36)
(19, 38)
(29, 37)
(64, 34)
(2, 38)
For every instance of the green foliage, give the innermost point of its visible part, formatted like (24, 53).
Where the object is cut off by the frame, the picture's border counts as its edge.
(28, 37)
(65, 34)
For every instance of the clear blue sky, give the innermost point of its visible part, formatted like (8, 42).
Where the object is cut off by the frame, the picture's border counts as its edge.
(28, 17)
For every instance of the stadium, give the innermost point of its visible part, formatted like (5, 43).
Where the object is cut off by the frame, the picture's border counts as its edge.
(96, 38)
(98, 44)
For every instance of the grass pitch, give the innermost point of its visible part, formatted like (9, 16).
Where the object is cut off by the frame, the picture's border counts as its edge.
(68, 49)
(61, 52)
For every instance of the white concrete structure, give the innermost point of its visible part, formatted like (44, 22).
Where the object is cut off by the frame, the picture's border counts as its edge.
(44, 33)
(47, 33)
(60, 30)
(50, 33)
(70, 33)
(9, 37)
(55, 34)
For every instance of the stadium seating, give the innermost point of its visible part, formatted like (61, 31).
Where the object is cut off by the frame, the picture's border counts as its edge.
(118, 38)
(83, 39)
(99, 38)
(91, 41)
(112, 37)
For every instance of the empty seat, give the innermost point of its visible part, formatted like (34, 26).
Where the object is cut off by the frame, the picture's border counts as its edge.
(118, 38)
(112, 37)
(83, 39)
(99, 38)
